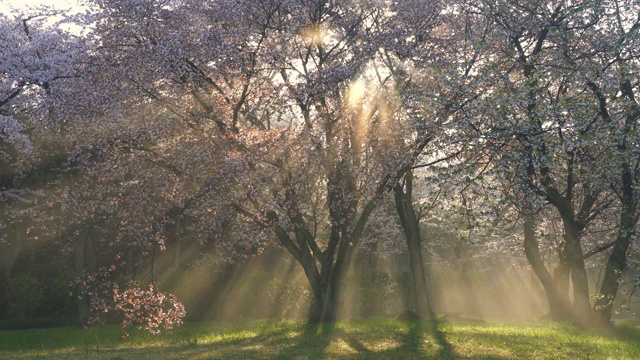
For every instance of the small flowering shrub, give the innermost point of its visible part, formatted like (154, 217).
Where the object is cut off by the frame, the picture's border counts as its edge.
(148, 309)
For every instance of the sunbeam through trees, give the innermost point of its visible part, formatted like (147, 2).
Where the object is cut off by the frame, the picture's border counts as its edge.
(171, 160)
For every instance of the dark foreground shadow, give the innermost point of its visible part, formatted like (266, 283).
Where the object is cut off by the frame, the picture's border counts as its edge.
(369, 339)
(446, 350)
(311, 343)
(415, 339)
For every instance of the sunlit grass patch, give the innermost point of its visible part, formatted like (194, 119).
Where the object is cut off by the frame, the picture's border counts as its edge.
(544, 340)
(370, 339)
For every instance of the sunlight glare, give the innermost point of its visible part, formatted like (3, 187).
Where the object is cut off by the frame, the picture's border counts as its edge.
(315, 35)
(355, 93)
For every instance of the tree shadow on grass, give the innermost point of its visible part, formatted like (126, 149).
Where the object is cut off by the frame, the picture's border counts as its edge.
(230, 346)
(315, 339)
(415, 338)
(446, 350)
(427, 340)
(311, 343)
(356, 345)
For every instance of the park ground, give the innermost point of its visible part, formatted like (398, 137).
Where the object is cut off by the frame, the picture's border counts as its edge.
(355, 339)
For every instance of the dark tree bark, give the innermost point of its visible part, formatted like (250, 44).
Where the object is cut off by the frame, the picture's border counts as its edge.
(618, 257)
(562, 280)
(575, 259)
(613, 271)
(326, 269)
(559, 307)
(541, 178)
(411, 227)
(628, 198)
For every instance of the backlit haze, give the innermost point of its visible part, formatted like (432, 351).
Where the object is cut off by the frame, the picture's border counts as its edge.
(6, 6)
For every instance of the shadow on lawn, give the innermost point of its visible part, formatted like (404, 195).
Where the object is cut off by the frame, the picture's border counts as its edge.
(414, 340)
(446, 350)
(427, 340)
(315, 339)
(311, 343)
(421, 340)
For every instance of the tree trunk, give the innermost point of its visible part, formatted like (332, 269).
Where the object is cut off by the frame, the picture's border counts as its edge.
(609, 288)
(575, 260)
(323, 309)
(326, 268)
(618, 257)
(334, 262)
(558, 305)
(411, 226)
(562, 275)
(561, 282)
(84, 260)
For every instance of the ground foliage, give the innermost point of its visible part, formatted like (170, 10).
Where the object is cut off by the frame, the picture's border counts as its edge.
(238, 125)
(372, 339)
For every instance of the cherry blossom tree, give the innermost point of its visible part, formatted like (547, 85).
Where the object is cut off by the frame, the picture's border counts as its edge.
(541, 112)
(38, 56)
(296, 96)
(611, 77)
(237, 124)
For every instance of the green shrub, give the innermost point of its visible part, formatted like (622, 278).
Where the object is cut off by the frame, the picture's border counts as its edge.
(376, 293)
(58, 300)
(24, 296)
(38, 322)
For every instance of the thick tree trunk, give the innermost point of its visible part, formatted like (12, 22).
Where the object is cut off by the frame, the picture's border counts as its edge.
(562, 276)
(326, 268)
(411, 226)
(610, 283)
(559, 307)
(561, 282)
(575, 260)
(421, 291)
(618, 257)
(315, 315)
(324, 309)
(334, 262)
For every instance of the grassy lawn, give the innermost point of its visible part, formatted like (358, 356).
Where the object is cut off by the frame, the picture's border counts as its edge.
(367, 339)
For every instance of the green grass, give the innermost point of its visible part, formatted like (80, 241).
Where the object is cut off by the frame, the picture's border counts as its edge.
(366, 339)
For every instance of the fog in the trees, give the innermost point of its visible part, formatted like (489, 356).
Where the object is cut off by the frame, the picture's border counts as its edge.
(163, 161)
